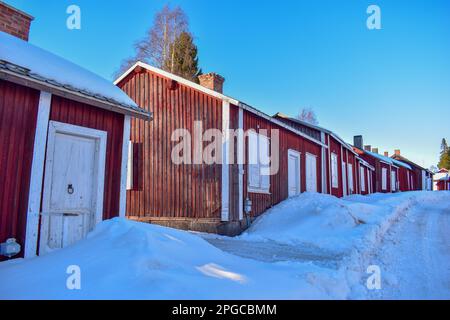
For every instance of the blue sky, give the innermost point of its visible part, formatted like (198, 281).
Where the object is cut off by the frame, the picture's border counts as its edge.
(390, 85)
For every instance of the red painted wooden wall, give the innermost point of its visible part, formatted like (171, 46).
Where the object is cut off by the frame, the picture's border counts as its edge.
(18, 112)
(161, 188)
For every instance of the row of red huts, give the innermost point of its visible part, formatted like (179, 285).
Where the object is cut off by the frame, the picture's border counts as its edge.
(75, 150)
(223, 198)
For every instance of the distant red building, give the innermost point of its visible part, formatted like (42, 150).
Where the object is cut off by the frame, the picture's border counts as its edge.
(390, 174)
(423, 178)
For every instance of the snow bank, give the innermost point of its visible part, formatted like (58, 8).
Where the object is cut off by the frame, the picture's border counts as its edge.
(121, 259)
(129, 260)
(315, 219)
(351, 227)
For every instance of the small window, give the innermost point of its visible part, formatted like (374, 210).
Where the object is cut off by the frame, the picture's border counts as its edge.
(334, 171)
(383, 178)
(258, 162)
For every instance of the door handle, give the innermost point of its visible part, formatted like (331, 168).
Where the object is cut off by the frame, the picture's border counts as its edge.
(71, 214)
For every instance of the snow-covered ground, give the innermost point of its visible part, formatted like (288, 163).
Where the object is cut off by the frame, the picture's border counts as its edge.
(309, 247)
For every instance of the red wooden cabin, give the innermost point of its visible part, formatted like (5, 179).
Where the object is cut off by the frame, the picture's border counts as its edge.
(443, 184)
(211, 197)
(390, 175)
(442, 180)
(422, 178)
(366, 175)
(342, 176)
(57, 118)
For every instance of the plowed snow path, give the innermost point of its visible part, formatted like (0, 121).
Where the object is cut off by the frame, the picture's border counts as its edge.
(414, 257)
(271, 251)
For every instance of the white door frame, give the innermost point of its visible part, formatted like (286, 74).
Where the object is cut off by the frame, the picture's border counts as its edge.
(37, 174)
(299, 181)
(101, 137)
(306, 168)
(344, 178)
(351, 182)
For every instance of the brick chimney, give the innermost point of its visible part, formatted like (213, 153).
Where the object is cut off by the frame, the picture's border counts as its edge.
(375, 150)
(386, 154)
(14, 21)
(212, 81)
(368, 148)
(397, 152)
(358, 142)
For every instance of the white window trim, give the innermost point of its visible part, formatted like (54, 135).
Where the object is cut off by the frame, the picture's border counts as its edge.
(260, 189)
(130, 166)
(334, 173)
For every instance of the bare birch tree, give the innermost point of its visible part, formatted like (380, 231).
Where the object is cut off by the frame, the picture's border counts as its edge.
(308, 115)
(156, 47)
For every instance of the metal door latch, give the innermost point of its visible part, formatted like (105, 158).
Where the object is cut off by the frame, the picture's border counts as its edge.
(70, 189)
(71, 214)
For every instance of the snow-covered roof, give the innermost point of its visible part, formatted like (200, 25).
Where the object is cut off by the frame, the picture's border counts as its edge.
(365, 163)
(388, 160)
(401, 164)
(444, 178)
(21, 58)
(316, 127)
(218, 95)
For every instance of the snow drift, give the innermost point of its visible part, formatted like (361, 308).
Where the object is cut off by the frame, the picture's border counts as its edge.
(122, 259)
(130, 260)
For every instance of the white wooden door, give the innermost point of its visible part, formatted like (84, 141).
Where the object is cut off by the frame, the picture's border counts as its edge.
(344, 179)
(311, 173)
(73, 185)
(393, 181)
(293, 173)
(350, 178)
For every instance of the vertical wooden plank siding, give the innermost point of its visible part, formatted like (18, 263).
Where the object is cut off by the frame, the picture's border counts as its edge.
(18, 112)
(278, 182)
(403, 178)
(161, 188)
(79, 114)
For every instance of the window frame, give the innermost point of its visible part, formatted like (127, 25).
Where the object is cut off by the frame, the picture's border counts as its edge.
(263, 186)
